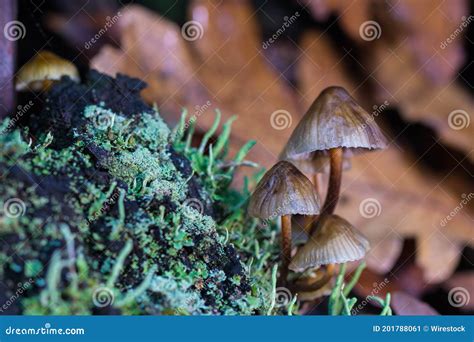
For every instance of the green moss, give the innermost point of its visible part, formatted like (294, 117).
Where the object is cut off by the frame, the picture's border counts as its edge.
(133, 208)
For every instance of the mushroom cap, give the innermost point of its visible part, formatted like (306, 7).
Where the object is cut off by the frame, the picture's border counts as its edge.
(283, 190)
(43, 68)
(317, 163)
(334, 120)
(334, 241)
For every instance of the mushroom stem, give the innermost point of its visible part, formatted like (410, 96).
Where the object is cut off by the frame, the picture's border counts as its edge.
(334, 187)
(316, 182)
(285, 247)
(311, 220)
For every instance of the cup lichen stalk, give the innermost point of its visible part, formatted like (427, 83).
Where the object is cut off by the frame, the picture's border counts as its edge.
(339, 303)
(119, 263)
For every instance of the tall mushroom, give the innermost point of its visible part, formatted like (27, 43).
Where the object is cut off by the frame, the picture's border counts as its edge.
(334, 241)
(335, 126)
(284, 191)
(44, 69)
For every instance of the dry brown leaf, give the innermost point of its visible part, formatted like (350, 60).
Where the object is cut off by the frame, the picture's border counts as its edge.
(385, 248)
(233, 68)
(407, 278)
(405, 305)
(373, 284)
(319, 66)
(153, 50)
(79, 22)
(403, 84)
(411, 279)
(351, 14)
(391, 203)
(423, 26)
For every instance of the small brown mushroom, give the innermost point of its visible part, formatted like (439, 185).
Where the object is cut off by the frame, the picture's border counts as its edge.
(334, 241)
(284, 191)
(44, 69)
(335, 126)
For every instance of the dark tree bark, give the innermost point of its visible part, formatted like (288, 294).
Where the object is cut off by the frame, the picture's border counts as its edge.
(8, 35)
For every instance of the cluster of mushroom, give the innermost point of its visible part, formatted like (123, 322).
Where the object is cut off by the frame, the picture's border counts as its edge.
(334, 128)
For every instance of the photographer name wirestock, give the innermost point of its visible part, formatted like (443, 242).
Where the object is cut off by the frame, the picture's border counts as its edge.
(419, 328)
(439, 328)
